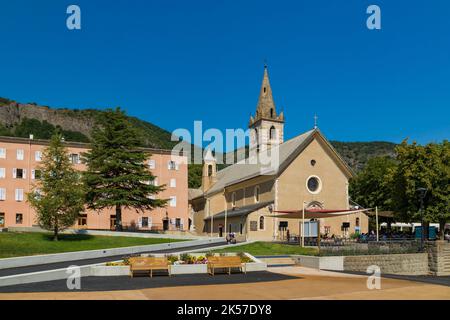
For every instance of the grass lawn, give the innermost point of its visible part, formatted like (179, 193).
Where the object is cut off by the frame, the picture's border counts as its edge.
(268, 249)
(16, 244)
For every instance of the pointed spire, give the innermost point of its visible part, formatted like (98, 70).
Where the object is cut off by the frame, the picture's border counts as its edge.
(266, 106)
(209, 156)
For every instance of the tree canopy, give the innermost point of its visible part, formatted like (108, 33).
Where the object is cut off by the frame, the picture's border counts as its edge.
(58, 197)
(117, 175)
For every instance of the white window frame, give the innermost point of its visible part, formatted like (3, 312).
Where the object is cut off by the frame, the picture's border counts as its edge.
(2, 194)
(19, 195)
(173, 183)
(172, 165)
(24, 173)
(173, 201)
(2, 173)
(38, 155)
(152, 164)
(78, 158)
(257, 194)
(2, 153)
(259, 223)
(20, 154)
(233, 200)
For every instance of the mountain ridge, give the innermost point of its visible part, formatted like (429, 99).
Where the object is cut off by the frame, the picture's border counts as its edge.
(22, 119)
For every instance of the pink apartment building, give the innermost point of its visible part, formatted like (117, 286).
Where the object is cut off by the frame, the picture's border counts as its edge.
(19, 170)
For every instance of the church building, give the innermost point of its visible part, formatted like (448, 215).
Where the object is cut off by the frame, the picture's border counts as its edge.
(244, 198)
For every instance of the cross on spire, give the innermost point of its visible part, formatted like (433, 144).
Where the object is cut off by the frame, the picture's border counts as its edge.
(316, 118)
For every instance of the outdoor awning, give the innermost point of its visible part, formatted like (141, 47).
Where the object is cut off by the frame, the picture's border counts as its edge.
(314, 213)
(239, 212)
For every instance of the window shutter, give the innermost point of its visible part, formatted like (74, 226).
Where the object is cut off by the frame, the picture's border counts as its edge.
(181, 223)
(16, 196)
(2, 172)
(33, 174)
(150, 222)
(140, 222)
(2, 194)
(176, 166)
(24, 175)
(14, 173)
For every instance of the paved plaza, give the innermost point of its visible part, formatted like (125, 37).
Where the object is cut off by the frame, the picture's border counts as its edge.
(285, 283)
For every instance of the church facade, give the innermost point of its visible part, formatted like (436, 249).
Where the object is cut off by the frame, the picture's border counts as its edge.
(244, 199)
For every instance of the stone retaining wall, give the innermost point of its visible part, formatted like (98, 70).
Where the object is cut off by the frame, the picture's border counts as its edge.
(439, 258)
(405, 264)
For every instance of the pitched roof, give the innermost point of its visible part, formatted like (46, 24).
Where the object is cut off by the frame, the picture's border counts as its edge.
(246, 169)
(194, 193)
(287, 152)
(242, 211)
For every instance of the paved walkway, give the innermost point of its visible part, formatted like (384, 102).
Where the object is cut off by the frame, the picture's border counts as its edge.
(286, 283)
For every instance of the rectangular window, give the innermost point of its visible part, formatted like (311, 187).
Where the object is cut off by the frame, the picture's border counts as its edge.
(2, 173)
(38, 155)
(144, 222)
(151, 164)
(178, 223)
(2, 194)
(82, 220)
(20, 154)
(172, 165)
(173, 201)
(3, 153)
(35, 174)
(19, 173)
(173, 183)
(154, 182)
(74, 158)
(19, 194)
(19, 218)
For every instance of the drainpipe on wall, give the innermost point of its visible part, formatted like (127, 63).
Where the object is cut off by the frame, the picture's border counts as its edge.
(275, 220)
(29, 179)
(226, 211)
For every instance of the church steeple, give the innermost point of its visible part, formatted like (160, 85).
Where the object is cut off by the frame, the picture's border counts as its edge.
(267, 125)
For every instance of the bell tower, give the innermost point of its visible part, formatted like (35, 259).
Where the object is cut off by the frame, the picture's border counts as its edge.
(209, 171)
(266, 127)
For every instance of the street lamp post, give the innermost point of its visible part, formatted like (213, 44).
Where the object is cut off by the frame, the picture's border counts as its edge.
(422, 193)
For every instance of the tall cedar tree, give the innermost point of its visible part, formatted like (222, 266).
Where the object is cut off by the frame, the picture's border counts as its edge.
(58, 197)
(117, 175)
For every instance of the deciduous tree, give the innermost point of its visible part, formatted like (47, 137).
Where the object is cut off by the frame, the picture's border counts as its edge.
(58, 197)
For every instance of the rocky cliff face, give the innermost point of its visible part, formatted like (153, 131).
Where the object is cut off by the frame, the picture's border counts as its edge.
(12, 113)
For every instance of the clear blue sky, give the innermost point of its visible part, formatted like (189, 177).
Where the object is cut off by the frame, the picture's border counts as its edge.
(173, 62)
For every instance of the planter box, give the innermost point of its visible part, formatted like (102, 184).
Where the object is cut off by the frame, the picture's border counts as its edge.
(321, 263)
(188, 268)
(105, 271)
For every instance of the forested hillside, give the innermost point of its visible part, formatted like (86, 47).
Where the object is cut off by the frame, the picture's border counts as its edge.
(21, 120)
